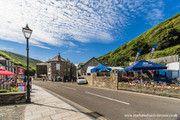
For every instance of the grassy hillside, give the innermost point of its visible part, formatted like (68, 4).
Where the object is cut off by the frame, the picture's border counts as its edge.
(20, 60)
(165, 34)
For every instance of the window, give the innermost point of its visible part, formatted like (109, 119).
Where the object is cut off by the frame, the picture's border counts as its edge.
(57, 66)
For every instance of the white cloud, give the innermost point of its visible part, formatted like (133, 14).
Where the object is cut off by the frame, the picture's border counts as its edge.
(60, 23)
(6, 48)
(79, 51)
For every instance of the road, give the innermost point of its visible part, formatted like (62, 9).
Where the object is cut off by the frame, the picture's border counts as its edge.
(117, 105)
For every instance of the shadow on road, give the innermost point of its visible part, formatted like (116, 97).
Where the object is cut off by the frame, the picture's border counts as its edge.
(178, 117)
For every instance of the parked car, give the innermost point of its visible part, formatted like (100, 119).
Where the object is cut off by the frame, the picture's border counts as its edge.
(81, 80)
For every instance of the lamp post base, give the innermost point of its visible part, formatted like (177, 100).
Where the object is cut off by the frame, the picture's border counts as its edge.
(28, 100)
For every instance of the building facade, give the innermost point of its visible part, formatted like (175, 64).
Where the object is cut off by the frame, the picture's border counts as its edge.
(82, 68)
(56, 68)
(6, 64)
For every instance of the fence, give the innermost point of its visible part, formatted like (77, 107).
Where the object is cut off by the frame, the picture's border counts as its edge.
(5, 87)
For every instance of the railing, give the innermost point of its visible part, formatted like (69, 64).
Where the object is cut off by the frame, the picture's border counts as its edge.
(5, 87)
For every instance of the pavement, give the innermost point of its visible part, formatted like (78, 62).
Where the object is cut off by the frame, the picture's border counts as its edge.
(46, 106)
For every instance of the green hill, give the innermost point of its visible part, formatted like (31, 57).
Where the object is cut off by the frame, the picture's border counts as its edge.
(165, 34)
(20, 60)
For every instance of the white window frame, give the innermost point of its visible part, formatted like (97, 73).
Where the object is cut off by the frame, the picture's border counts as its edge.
(58, 66)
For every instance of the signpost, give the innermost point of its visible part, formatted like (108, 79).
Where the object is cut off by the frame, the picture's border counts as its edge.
(20, 71)
(21, 87)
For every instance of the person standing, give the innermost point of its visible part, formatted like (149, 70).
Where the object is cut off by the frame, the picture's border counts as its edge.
(24, 79)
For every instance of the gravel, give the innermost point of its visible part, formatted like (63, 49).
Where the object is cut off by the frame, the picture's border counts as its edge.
(12, 112)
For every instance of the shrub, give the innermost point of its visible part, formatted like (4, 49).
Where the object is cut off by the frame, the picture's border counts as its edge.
(14, 89)
(4, 91)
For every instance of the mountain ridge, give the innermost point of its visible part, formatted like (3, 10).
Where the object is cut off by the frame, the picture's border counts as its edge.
(166, 34)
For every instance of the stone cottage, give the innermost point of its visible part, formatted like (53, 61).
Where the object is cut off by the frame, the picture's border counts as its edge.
(56, 68)
(82, 67)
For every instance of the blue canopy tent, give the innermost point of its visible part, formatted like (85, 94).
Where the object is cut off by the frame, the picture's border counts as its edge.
(99, 67)
(104, 70)
(118, 70)
(144, 65)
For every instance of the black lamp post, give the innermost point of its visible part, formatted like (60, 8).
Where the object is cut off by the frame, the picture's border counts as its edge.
(27, 34)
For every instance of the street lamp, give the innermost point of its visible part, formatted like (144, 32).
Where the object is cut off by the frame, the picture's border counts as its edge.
(27, 34)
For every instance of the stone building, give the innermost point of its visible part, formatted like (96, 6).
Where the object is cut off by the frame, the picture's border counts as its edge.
(6, 64)
(82, 68)
(56, 68)
(41, 69)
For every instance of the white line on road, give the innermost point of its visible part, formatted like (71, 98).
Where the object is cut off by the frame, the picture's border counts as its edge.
(69, 88)
(108, 98)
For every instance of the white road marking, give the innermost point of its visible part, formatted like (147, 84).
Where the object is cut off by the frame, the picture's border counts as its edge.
(108, 98)
(69, 88)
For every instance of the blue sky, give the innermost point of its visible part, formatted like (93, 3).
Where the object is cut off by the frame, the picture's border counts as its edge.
(78, 29)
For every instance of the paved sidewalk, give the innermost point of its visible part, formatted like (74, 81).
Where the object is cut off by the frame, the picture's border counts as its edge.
(46, 106)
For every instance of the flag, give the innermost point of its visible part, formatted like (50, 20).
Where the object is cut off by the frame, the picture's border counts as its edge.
(152, 50)
(137, 55)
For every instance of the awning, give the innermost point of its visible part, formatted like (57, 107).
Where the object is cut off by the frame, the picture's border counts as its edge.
(5, 72)
(144, 65)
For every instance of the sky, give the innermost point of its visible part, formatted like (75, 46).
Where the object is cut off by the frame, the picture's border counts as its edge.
(78, 29)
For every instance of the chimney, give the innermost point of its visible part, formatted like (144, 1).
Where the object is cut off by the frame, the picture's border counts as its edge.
(59, 57)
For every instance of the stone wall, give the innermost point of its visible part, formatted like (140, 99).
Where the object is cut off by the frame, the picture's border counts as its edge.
(89, 80)
(104, 81)
(168, 59)
(169, 92)
(12, 98)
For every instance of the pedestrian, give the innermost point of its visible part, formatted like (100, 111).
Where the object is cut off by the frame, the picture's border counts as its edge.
(24, 79)
(72, 80)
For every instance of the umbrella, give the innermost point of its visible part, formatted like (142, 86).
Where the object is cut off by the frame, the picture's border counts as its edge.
(144, 65)
(5, 72)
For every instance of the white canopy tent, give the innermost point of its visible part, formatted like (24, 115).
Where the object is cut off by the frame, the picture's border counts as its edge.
(173, 66)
